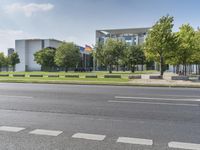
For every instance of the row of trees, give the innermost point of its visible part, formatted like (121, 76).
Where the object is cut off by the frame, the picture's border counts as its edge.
(67, 55)
(115, 52)
(162, 45)
(9, 61)
(176, 48)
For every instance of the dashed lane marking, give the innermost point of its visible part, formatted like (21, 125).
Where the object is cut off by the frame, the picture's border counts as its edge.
(136, 141)
(96, 137)
(155, 98)
(46, 132)
(154, 103)
(181, 145)
(17, 96)
(11, 129)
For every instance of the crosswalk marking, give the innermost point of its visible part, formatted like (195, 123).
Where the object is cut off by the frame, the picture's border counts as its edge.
(46, 132)
(138, 141)
(11, 129)
(181, 145)
(96, 137)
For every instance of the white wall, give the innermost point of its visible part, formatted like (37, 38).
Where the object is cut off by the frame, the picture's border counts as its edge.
(32, 47)
(53, 43)
(20, 46)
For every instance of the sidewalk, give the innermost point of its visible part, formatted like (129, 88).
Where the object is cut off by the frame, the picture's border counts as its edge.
(165, 81)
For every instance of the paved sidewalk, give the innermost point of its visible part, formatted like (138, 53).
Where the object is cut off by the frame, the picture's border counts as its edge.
(165, 81)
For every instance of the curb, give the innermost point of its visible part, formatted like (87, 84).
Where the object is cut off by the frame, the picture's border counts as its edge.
(104, 84)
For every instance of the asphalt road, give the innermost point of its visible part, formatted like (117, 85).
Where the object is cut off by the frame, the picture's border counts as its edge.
(84, 117)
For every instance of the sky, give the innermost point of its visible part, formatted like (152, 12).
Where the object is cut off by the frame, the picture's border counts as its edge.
(76, 20)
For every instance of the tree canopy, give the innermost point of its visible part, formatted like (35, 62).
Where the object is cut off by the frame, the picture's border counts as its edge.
(160, 41)
(67, 55)
(110, 52)
(45, 58)
(13, 59)
(133, 55)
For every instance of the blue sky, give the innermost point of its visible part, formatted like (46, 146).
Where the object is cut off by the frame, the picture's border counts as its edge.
(77, 20)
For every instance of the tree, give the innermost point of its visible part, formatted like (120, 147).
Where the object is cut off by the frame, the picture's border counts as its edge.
(45, 58)
(13, 59)
(160, 41)
(2, 60)
(98, 54)
(110, 52)
(134, 55)
(67, 55)
(186, 48)
(196, 54)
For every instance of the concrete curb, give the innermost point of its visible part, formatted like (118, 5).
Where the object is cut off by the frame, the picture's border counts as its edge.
(104, 84)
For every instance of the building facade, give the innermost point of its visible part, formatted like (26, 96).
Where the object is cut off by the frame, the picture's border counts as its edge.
(26, 49)
(132, 36)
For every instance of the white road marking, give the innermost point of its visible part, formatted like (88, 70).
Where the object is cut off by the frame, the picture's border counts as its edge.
(138, 141)
(153, 103)
(46, 132)
(155, 98)
(181, 145)
(16, 96)
(11, 129)
(96, 137)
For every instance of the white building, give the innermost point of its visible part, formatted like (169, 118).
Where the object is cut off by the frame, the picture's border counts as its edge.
(26, 49)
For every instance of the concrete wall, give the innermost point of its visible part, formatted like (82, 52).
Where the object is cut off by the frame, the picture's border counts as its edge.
(32, 47)
(20, 46)
(53, 43)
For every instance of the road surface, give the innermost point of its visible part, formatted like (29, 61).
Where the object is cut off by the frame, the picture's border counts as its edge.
(84, 117)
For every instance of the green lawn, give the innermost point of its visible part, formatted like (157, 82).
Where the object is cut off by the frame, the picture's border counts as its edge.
(63, 79)
(100, 74)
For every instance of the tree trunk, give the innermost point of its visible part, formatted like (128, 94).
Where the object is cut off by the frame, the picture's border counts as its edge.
(110, 68)
(132, 68)
(198, 69)
(66, 69)
(13, 68)
(177, 69)
(142, 65)
(117, 65)
(185, 69)
(161, 66)
(124, 68)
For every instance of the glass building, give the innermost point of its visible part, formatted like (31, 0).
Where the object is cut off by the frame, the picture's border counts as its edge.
(132, 36)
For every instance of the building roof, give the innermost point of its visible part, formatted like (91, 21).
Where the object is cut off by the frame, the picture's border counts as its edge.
(37, 39)
(124, 31)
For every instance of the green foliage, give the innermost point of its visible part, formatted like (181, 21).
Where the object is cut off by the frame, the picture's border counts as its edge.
(2, 59)
(13, 59)
(196, 55)
(187, 46)
(110, 52)
(45, 58)
(98, 53)
(67, 55)
(133, 55)
(160, 41)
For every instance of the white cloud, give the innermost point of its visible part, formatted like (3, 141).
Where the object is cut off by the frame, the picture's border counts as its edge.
(28, 9)
(8, 37)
